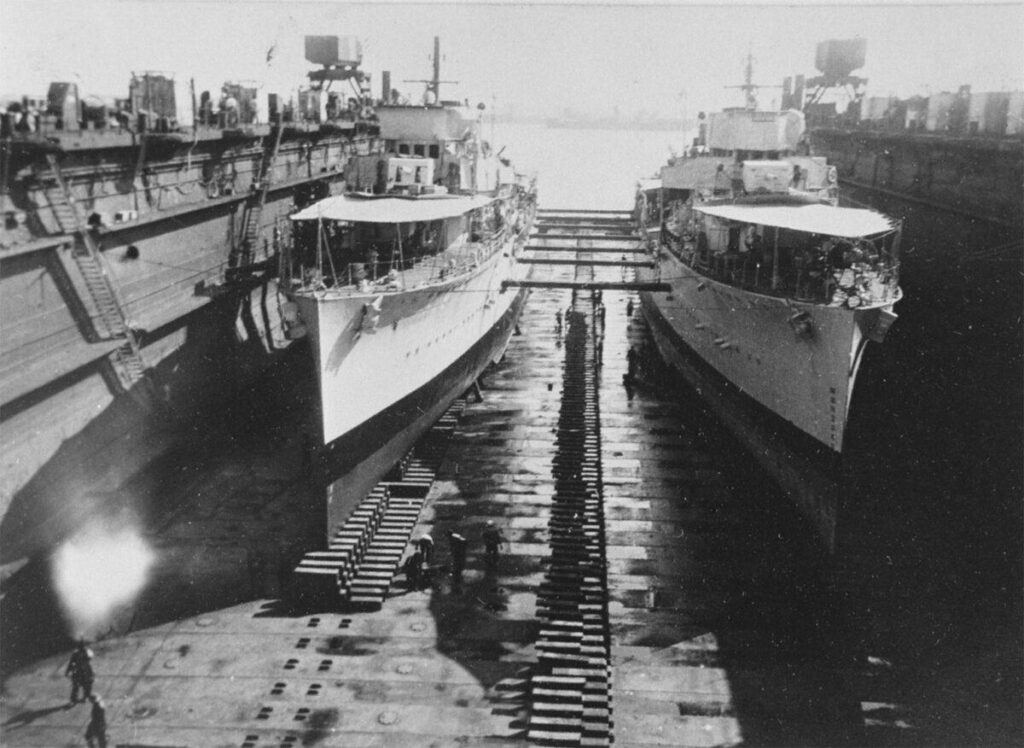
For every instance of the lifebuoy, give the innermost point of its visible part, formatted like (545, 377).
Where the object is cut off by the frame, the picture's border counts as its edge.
(833, 175)
(365, 113)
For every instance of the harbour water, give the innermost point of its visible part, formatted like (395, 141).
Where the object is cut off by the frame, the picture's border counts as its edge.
(917, 622)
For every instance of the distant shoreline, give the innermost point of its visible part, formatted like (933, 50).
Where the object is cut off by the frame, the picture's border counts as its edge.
(602, 123)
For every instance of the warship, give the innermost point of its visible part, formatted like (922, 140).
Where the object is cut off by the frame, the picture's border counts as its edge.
(398, 286)
(775, 288)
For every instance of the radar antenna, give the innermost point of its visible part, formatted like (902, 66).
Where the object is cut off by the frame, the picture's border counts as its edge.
(748, 86)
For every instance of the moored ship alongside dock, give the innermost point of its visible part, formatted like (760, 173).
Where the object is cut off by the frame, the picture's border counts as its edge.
(775, 289)
(399, 288)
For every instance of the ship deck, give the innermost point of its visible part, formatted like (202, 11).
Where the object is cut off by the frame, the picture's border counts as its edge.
(445, 267)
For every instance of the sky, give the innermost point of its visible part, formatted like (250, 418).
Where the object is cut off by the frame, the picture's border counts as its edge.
(669, 59)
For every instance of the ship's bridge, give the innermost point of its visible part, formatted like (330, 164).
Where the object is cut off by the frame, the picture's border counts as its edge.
(750, 130)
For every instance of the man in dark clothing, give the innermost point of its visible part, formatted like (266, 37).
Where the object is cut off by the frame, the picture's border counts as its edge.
(492, 540)
(458, 547)
(629, 308)
(79, 669)
(632, 359)
(426, 545)
(413, 569)
(96, 732)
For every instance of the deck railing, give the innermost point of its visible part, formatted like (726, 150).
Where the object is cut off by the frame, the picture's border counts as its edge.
(401, 274)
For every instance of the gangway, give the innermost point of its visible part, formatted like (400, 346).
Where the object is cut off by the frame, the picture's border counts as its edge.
(623, 214)
(604, 237)
(653, 286)
(575, 230)
(620, 250)
(578, 261)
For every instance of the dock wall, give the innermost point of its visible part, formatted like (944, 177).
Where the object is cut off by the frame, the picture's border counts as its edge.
(977, 178)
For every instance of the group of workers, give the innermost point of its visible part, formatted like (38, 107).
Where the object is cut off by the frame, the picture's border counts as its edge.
(417, 565)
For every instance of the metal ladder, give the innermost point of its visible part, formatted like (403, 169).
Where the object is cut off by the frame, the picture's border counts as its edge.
(242, 253)
(110, 322)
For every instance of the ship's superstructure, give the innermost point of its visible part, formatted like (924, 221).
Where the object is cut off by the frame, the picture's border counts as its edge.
(399, 289)
(139, 251)
(773, 285)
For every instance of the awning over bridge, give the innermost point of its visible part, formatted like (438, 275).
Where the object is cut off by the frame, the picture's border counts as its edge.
(391, 209)
(813, 218)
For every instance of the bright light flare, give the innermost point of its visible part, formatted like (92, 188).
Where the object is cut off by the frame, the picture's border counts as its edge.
(99, 569)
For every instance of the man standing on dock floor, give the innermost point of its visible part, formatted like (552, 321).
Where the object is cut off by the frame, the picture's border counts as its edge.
(492, 540)
(632, 359)
(79, 669)
(425, 543)
(457, 543)
(96, 732)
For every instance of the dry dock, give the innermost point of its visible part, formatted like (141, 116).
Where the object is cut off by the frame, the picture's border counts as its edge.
(654, 590)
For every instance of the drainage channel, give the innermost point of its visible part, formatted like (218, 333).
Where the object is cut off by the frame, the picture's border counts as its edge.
(570, 699)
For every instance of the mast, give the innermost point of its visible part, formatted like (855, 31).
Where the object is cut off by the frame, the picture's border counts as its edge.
(748, 82)
(434, 84)
(748, 86)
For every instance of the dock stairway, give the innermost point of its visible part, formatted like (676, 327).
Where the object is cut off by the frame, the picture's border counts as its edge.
(109, 321)
(363, 556)
(244, 250)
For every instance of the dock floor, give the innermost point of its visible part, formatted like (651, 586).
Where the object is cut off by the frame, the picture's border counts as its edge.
(716, 637)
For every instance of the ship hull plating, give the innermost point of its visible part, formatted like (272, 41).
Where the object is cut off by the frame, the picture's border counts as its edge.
(352, 464)
(389, 365)
(802, 372)
(804, 468)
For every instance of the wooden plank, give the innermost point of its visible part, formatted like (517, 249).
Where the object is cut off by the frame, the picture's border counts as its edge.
(590, 285)
(549, 211)
(605, 263)
(611, 250)
(592, 237)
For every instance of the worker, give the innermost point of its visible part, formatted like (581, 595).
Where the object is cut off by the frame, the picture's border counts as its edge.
(79, 669)
(492, 541)
(96, 732)
(425, 543)
(458, 544)
(632, 360)
(413, 568)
